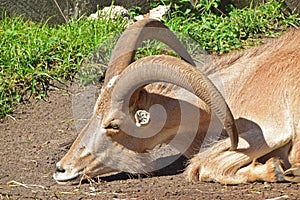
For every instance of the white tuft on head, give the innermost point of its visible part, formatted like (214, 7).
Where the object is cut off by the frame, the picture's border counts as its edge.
(112, 81)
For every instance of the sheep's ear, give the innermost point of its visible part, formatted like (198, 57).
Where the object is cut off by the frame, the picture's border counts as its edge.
(137, 97)
(142, 118)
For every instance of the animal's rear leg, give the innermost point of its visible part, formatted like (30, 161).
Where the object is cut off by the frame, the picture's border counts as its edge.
(293, 174)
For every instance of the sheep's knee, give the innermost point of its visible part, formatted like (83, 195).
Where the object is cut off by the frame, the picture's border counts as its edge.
(194, 171)
(204, 171)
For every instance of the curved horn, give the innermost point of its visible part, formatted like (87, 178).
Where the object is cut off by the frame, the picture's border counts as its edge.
(178, 72)
(125, 49)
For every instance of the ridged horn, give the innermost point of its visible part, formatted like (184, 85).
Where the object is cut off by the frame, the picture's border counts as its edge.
(172, 70)
(125, 49)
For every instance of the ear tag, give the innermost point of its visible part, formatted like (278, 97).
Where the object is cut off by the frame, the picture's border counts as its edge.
(142, 117)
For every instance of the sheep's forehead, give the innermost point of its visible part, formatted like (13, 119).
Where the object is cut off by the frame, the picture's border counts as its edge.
(104, 97)
(103, 102)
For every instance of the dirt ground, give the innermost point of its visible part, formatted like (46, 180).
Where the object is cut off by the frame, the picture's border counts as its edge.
(40, 134)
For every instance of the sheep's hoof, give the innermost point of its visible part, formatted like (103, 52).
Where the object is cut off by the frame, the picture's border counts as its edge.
(293, 174)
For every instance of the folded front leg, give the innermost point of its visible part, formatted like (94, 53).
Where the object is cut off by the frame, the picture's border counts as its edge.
(271, 171)
(233, 167)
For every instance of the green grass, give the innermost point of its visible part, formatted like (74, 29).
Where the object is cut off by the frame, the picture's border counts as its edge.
(35, 55)
(223, 32)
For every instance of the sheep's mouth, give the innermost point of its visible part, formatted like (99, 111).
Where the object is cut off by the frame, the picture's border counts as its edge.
(62, 179)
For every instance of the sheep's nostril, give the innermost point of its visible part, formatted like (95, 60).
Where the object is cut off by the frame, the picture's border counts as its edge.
(60, 169)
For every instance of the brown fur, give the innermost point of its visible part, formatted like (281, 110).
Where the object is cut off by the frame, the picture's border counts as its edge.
(262, 89)
(264, 96)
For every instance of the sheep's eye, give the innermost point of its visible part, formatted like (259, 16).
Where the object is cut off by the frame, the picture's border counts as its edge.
(113, 126)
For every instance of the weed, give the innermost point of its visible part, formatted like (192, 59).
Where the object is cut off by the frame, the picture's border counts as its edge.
(34, 55)
(223, 32)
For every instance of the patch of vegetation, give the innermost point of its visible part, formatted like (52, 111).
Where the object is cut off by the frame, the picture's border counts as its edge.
(34, 55)
(224, 31)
